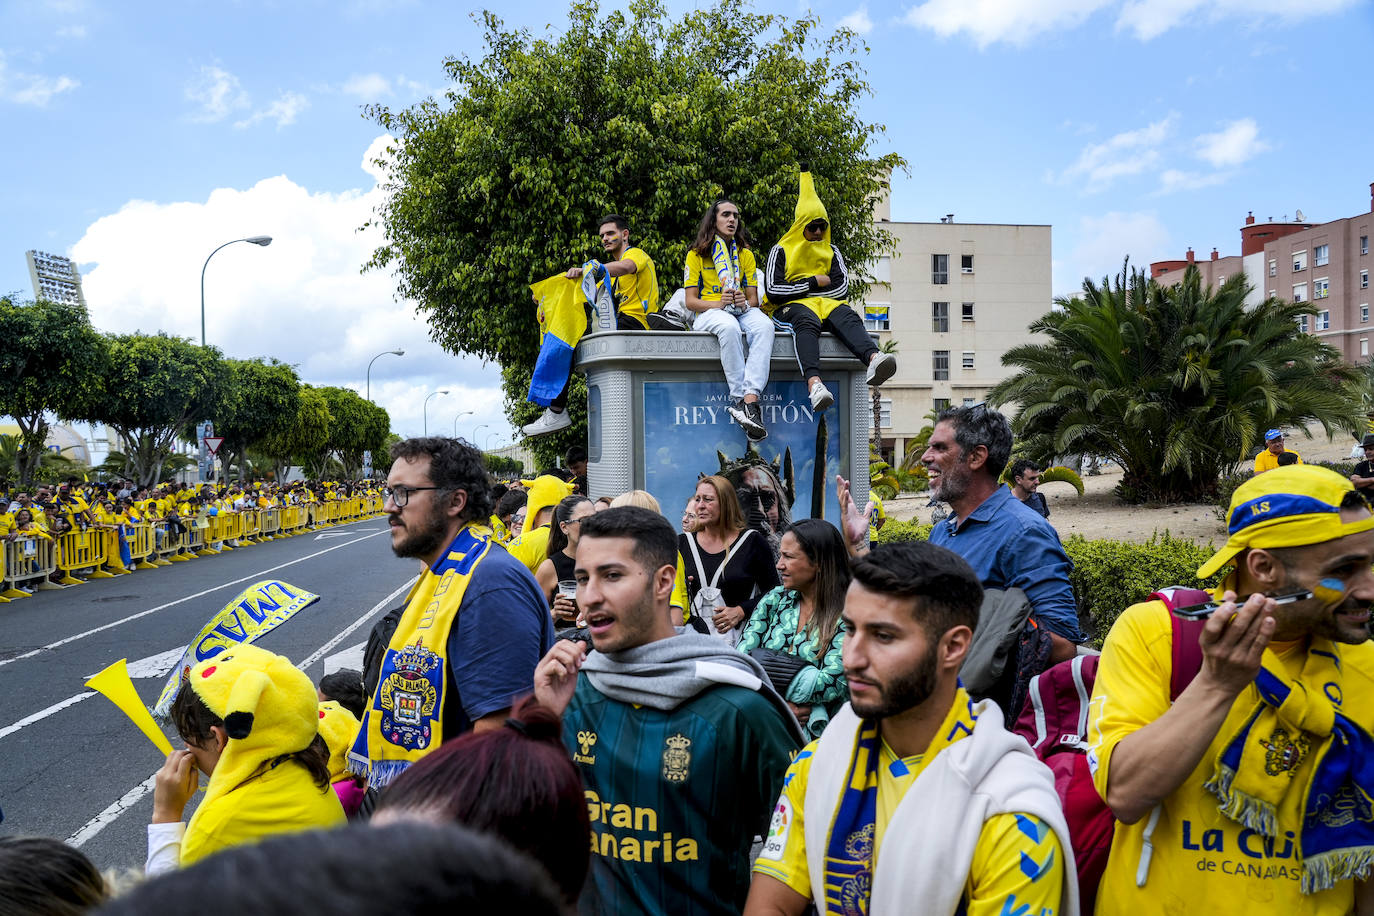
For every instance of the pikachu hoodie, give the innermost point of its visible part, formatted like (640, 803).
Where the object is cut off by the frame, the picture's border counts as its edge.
(269, 708)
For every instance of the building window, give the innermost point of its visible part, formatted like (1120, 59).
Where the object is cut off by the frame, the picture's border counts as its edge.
(1300, 260)
(1273, 268)
(939, 269)
(884, 413)
(968, 359)
(1323, 320)
(1364, 346)
(967, 310)
(966, 263)
(882, 270)
(1364, 279)
(969, 402)
(939, 316)
(1302, 323)
(1221, 279)
(941, 404)
(1321, 288)
(940, 365)
(1364, 244)
(1321, 254)
(1299, 292)
(1364, 313)
(877, 316)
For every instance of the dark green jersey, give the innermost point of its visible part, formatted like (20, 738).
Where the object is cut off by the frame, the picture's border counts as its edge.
(675, 798)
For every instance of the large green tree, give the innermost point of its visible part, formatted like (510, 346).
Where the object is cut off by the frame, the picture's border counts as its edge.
(306, 435)
(156, 387)
(356, 425)
(265, 401)
(1175, 383)
(630, 112)
(51, 364)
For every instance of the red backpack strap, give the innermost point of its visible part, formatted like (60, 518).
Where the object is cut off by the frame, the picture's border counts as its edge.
(1187, 653)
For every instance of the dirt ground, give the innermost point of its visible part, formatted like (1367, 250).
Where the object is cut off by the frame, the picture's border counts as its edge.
(1099, 514)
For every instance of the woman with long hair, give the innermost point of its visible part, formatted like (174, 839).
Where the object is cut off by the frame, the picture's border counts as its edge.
(801, 619)
(719, 281)
(562, 550)
(728, 565)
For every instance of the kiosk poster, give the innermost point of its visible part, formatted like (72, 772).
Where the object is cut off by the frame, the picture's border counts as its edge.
(687, 432)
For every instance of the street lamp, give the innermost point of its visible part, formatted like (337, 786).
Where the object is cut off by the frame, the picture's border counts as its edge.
(491, 436)
(425, 408)
(262, 240)
(455, 422)
(374, 359)
(476, 431)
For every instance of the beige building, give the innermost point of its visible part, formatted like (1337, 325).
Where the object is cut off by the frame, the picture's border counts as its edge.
(954, 298)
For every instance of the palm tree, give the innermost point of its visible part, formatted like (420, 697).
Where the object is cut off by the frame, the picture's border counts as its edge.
(1176, 383)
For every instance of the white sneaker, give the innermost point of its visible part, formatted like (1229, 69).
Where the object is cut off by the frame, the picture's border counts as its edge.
(881, 369)
(821, 398)
(550, 421)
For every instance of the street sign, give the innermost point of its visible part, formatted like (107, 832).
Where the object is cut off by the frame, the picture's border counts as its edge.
(213, 443)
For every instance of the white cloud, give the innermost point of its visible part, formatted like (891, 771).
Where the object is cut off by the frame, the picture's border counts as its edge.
(216, 92)
(858, 20)
(72, 31)
(1102, 242)
(1017, 21)
(1128, 153)
(31, 88)
(301, 299)
(1234, 144)
(283, 111)
(368, 87)
(1171, 180)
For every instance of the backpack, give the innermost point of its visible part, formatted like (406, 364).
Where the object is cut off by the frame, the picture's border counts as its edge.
(1055, 722)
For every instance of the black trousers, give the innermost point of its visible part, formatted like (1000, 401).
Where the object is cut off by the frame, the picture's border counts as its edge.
(843, 322)
(623, 322)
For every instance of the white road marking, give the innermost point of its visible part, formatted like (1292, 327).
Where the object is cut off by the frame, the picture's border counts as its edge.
(323, 535)
(162, 607)
(44, 713)
(352, 657)
(154, 665)
(107, 817)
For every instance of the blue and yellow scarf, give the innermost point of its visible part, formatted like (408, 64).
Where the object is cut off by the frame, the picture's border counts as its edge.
(1262, 783)
(725, 257)
(405, 718)
(852, 849)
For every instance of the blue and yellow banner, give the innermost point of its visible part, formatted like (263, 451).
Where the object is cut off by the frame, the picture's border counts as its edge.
(257, 609)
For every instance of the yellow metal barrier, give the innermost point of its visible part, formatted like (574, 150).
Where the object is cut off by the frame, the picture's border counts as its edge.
(27, 560)
(114, 538)
(250, 526)
(80, 550)
(169, 549)
(269, 522)
(141, 547)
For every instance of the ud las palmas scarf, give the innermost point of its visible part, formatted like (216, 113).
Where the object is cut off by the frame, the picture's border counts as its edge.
(404, 720)
(1262, 783)
(725, 258)
(852, 847)
(562, 313)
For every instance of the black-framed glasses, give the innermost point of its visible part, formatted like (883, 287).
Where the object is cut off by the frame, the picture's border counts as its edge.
(400, 494)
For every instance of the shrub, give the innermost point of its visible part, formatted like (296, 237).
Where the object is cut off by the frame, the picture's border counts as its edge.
(895, 531)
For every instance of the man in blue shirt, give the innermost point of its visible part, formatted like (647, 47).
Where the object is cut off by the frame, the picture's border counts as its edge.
(1008, 544)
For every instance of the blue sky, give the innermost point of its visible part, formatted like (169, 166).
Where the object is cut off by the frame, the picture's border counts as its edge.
(139, 137)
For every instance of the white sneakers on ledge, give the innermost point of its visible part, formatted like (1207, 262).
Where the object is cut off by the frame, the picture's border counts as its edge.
(550, 421)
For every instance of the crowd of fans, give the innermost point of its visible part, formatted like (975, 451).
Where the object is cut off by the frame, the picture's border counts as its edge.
(581, 708)
(114, 509)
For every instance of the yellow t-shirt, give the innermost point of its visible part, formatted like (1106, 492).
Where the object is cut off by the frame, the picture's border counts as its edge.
(531, 548)
(637, 293)
(1267, 461)
(1203, 862)
(700, 273)
(997, 881)
(878, 512)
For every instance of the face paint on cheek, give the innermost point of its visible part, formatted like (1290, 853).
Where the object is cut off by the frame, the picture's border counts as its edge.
(1329, 591)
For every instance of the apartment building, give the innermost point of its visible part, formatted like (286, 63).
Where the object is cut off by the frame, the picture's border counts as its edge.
(955, 297)
(1327, 264)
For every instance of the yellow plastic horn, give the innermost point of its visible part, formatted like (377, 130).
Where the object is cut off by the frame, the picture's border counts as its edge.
(117, 687)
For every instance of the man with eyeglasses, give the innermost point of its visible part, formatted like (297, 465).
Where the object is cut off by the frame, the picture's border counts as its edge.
(1268, 459)
(474, 627)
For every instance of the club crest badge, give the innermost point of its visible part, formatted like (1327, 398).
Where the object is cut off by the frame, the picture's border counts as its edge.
(412, 687)
(1283, 754)
(676, 758)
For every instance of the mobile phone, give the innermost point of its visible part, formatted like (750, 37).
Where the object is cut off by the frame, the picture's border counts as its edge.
(1203, 611)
